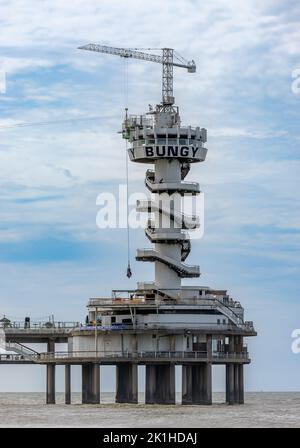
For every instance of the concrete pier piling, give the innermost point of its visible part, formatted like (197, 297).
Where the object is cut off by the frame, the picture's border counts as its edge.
(196, 384)
(50, 376)
(90, 383)
(95, 384)
(241, 384)
(126, 383)
(235, 384)
(160, 384)
(67, 384)
(205, 384)
(187, 384)
(50, 393)
(85, 378)
(235, 373)
(230, 395)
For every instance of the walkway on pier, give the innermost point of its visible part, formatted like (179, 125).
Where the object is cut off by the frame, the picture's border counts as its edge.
(139, 357)
(39, 332)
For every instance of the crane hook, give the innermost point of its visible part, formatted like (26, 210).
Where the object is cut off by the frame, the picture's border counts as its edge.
(129, 273)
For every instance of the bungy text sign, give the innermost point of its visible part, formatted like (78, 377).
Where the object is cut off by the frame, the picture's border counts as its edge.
(145, 152)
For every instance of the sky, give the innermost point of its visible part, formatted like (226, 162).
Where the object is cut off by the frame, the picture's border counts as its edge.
(52, 255)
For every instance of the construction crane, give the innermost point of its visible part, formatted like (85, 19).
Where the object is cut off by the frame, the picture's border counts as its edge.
(166, 59)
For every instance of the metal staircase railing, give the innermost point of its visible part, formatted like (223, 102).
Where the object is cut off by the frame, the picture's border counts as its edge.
(180, 186)
(183, 270)
(228, 312)
(184, 221)
(20, 349)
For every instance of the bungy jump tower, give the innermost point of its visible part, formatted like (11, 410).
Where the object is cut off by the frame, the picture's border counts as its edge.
(162, 324)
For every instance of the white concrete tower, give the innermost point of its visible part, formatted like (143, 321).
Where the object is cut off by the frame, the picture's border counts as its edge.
(159, 138)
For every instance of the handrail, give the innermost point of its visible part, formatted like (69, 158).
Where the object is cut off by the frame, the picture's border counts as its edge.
(40, 331)
(149, 177)
(178, 301)
(236, 317)
(12, 357)
(154, 325)
(47, 356)
(157, 230)
(168, 259)
(20, 348)
(190, 221)
(141, 355)
(41, 325)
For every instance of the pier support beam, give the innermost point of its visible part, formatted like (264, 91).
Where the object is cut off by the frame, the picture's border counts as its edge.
(126, 383)
(230, 383)
(234, 383)
(197, 384)
(90, 383)
(241, 383)
(50, 394)
(206, 384)
(187, 384)
(95, 384)
(160, 384)
(68, 384)
(85, 371)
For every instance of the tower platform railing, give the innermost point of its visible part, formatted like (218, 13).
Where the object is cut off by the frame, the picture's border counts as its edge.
(166, 355)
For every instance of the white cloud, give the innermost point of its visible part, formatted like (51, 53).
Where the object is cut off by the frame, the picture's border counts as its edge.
(244, 52)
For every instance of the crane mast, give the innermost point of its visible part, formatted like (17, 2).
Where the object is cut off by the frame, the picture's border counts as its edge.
(166, 59)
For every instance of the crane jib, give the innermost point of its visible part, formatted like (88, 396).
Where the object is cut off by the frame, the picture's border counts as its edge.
(128, 53)
(165, 59)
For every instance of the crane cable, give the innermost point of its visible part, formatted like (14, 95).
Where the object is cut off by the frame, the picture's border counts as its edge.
(128, 272)
(57, 121)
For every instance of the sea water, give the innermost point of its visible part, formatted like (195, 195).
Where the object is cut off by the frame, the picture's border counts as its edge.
(261, 409)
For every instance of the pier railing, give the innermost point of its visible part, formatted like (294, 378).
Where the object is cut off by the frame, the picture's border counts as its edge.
(43, 325)
(165, 326)
(15, 358)
(199, 301)
(142, 355)
(84, 356)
